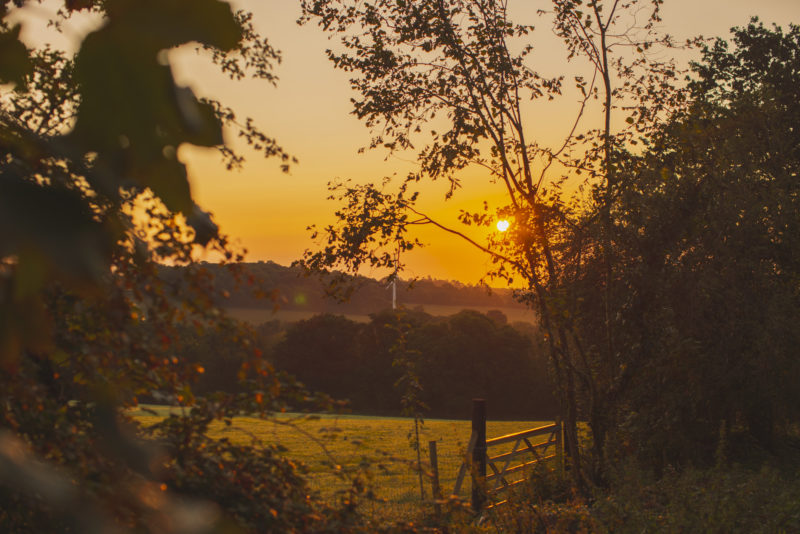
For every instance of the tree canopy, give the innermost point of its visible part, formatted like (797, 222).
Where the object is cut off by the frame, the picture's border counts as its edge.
(707, 229)
(466, 63)
(456, 358)
(670, 266)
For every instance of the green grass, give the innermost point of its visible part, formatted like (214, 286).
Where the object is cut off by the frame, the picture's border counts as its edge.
(381, 443)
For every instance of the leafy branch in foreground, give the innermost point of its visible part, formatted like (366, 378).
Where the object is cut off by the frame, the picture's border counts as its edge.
(93, 200)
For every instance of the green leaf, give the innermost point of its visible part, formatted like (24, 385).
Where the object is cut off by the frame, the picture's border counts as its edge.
(15, 63)
(162, 24)
(168, 179)
(123, 74)
(50, 229)
(22, 324)
(152, 118)
(204, 227)
(78, 5)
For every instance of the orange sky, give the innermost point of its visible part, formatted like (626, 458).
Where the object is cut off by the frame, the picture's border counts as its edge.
(267, 211)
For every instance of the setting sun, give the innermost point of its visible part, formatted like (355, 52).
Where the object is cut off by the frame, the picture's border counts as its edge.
(224, 221)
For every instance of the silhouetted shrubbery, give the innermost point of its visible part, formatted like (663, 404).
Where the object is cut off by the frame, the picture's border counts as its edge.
(460, 357)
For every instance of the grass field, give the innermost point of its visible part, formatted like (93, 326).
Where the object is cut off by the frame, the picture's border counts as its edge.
(260, 315)
(379, 442)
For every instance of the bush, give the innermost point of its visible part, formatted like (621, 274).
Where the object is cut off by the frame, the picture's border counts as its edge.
(713, 500)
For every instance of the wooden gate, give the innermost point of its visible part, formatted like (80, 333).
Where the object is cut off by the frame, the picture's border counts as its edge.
(494, 475)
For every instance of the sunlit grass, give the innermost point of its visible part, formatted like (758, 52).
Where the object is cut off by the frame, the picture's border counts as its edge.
(379, 445)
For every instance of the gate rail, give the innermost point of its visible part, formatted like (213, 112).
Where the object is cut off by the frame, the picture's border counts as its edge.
(507, 469)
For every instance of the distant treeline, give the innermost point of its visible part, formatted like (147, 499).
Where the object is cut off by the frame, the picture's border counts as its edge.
(266, 284)
(457, 358)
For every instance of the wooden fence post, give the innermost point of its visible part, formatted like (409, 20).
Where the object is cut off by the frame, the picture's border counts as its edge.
(560, 449)
(567, 462)
(436, 489)
(479, 454)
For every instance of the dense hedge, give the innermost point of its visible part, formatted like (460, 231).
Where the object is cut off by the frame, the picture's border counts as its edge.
(457, 358)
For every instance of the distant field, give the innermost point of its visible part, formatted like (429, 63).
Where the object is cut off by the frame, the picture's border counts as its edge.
(381, 442)
(262, 315)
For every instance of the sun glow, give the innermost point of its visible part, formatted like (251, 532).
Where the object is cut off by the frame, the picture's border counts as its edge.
(503, 225)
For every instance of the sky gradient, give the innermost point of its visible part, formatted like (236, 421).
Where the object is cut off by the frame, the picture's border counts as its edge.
(267, 211)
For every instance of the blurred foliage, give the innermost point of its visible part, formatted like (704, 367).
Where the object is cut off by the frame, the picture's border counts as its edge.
(93, 200)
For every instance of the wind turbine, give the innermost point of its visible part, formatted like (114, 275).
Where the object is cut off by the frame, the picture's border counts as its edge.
(394, 279)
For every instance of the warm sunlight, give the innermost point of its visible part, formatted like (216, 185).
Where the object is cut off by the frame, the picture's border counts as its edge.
(249, 246)
(258, 205)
